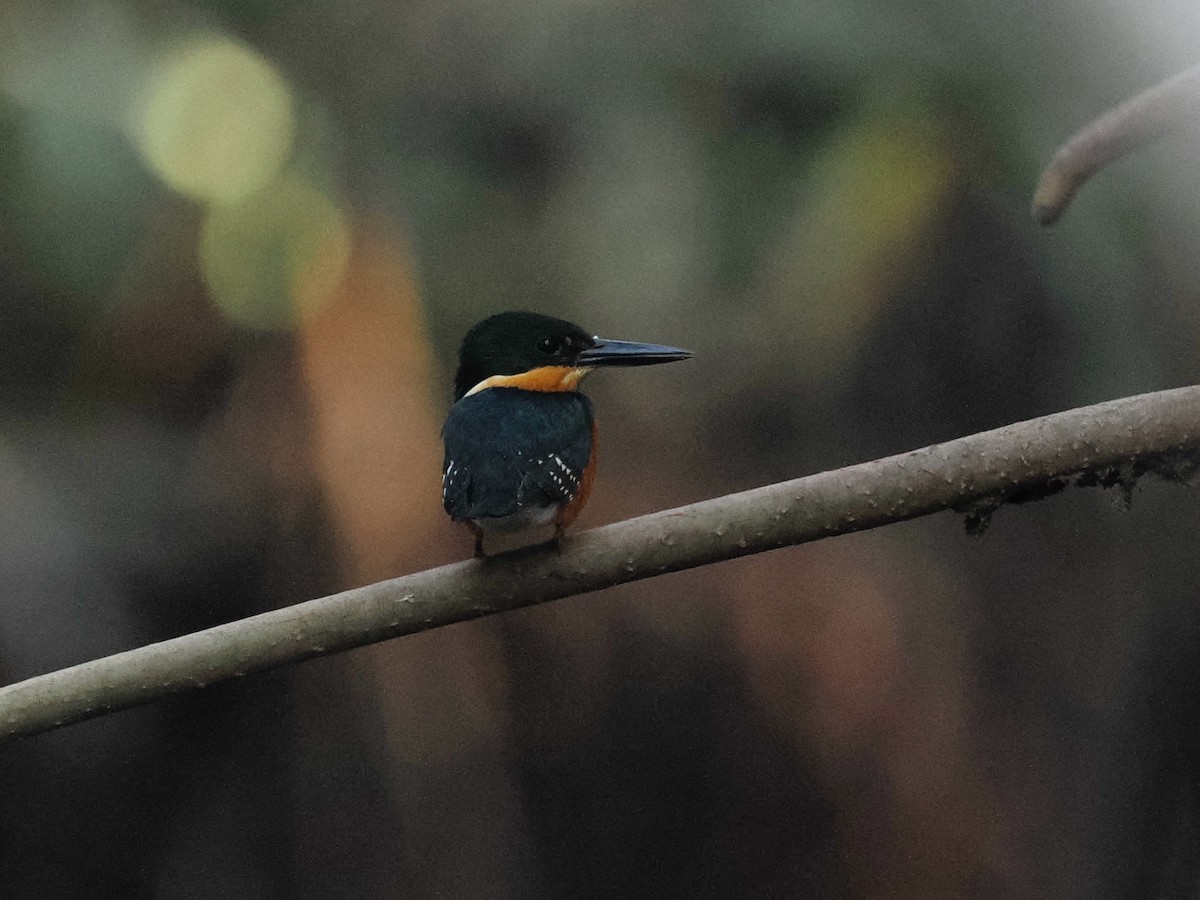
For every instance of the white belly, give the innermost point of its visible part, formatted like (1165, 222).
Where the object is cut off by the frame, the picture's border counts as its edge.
(529, 517)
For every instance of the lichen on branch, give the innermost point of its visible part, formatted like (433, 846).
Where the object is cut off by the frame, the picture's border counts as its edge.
(1109, 444)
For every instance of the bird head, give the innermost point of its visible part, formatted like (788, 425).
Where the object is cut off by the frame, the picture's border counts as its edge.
(536, 352)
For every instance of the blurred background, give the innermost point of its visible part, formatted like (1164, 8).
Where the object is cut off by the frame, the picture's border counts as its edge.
(239, 242)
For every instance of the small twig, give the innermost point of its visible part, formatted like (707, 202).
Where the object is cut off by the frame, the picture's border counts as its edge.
(1109, 444)
(1139, 120)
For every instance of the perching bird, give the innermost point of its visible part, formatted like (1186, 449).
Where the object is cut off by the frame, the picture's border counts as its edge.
(521, 440)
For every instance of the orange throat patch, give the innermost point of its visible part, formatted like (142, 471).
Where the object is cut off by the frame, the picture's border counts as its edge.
(543, 378)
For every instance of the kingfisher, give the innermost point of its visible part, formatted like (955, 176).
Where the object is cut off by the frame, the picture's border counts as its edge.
(521, 439)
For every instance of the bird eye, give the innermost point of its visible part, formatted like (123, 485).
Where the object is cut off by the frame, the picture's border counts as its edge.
(548, 345)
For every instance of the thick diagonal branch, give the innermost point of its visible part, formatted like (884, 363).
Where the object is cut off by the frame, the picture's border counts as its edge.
(1111, 443)
(1139, 120)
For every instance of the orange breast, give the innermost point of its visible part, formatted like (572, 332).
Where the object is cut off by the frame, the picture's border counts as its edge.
(573, 507)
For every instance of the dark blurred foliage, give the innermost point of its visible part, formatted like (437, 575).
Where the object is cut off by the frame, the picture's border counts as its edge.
(238, 244)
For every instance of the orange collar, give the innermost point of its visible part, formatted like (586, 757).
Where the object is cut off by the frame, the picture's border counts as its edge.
(543, 378)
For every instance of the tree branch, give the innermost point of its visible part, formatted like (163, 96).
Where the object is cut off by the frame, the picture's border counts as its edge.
(1111, 444)
(1139, 120)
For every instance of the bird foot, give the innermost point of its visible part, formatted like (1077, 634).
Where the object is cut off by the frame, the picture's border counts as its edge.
(478, 532)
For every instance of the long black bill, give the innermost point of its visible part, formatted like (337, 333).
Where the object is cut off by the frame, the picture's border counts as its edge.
(629, 353)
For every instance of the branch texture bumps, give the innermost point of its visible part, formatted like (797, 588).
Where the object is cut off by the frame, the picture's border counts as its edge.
(1109, 444)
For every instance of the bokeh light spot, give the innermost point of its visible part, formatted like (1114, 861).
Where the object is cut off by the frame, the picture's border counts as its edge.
(275, 256)
(216, 121)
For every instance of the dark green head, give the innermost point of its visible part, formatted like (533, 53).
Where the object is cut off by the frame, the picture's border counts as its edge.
(514, 342)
